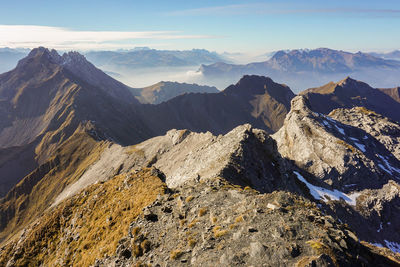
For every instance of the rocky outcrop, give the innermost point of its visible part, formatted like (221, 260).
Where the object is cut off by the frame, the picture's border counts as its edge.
(217, 223)
(134, 219)
(244, 156)
(381, 128)
(355, 154)
(339, 155)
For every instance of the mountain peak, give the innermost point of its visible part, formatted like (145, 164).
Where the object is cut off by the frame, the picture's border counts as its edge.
(39, 51)
(69, 58)
(347, 81)
(252, 85)
(300, 103)
(254, 79)
(74, 57)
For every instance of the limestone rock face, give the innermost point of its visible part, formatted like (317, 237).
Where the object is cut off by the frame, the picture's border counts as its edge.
(244, 156)
(353, 151)
(384, 130)
(342, 156)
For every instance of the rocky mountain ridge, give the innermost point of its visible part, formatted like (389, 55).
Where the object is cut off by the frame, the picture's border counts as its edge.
(322, 168)
(349, 93)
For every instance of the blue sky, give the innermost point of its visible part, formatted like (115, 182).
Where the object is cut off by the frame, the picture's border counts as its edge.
(232, 26)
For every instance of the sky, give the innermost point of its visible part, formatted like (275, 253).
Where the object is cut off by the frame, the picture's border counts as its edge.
(216, 25)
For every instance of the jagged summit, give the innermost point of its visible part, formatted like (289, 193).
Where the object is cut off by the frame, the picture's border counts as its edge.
(347, 80)
(300, 104)
(42, 59)
(52, 54)
(338, 154)
(354, 156)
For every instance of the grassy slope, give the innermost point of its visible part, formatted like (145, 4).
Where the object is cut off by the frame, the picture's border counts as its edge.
(30, 197)
(101, 214)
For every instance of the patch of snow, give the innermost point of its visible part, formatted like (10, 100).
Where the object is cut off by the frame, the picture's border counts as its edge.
(330, 119)
(389, 168)
(360, 147)
(324, 194)
(383, 168)
(340, 130)
(350, 185)
(380, 228)
(365, 137)
(377, 245)
(354, 139)
(393, 246)
(324, 122)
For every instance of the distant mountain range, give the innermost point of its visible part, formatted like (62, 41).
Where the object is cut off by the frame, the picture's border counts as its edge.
(9, 58)
(303, 69)
(164, 91)
(390, 55)
(300, 69)
(151, 58)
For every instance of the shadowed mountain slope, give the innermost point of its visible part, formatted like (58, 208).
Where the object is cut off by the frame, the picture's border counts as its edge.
(350, 93)
(48, 96)
(254, 99)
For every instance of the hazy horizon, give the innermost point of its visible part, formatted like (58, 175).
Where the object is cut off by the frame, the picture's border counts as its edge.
(253, 27)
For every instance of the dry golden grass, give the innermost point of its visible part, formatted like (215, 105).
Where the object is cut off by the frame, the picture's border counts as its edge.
(192, 223)
(239, 219)
(365, 111)
(189, 198)
(343, 143)
(175, 254)
(202, 211)
(106, 212)
(192, 242)
(74, 157)
(218, 232)
(321, 248)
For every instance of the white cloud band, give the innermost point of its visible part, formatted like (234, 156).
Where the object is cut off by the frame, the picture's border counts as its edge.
(28, 36)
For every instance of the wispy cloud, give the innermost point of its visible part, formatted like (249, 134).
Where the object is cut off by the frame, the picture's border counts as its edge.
(263, 8)
(29, 36)
(221, 10)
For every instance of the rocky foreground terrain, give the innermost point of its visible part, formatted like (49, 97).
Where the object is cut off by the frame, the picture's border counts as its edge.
(322, 191)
